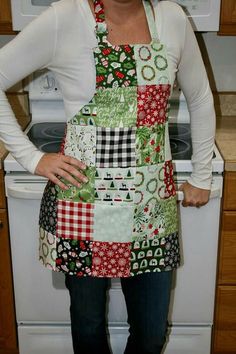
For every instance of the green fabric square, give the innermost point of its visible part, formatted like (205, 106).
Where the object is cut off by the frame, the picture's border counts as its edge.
(116, 107)
(155, 219)
(150, 145)
(86, 115)
(149, 182)
(85, 193)
(155, 255)
(115, 66)
(146, 256)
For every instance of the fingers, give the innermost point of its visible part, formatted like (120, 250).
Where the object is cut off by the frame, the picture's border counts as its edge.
(193, 196)
(192, 203)
(72, 161)
(56, 166)
(69, 174)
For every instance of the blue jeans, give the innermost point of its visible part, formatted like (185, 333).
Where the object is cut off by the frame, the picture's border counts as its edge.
(147, 299)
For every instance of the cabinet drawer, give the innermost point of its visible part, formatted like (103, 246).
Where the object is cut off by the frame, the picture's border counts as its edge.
(225, 321)
(230, 191)
(227, 267)
(228, 17)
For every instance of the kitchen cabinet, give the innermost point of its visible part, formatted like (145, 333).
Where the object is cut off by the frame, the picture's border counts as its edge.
(8, 341)
(228, 18)
(224, 340)
(5, 17)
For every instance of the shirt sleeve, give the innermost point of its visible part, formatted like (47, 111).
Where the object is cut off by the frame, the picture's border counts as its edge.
(30, 50)
(194, 83)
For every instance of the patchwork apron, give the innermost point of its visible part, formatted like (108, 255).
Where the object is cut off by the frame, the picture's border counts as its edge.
(123, 221)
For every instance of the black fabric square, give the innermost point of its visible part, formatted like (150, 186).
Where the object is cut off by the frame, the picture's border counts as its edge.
(48, 209)
(115, 147)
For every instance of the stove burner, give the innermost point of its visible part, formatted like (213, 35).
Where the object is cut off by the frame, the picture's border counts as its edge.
(179, 148)
(179, 130)
(47, 136)
(53, 132)
(53, 146)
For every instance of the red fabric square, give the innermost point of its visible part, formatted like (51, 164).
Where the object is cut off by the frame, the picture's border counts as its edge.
(152, 104)
(75, 220)
(170, 189)
(111, 259)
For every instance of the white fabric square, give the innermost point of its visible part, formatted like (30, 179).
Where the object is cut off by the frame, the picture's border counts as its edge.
(81, 143)
(115, 185)
(113, 223)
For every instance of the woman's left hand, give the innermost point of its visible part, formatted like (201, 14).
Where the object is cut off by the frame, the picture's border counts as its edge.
(193, 196)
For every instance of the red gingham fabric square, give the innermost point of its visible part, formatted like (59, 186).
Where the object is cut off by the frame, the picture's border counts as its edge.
(152, 104)
(111, 259)
(75, 220)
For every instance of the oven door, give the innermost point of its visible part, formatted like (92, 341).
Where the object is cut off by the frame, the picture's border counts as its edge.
(42, 302)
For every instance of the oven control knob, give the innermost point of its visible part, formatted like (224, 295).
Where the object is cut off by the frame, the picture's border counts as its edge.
(48, 82)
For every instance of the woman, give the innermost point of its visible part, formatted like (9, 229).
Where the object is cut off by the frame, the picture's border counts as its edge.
(116, 62)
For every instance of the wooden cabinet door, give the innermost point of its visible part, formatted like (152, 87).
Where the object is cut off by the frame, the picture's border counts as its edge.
(8, 343)
(230, 191)
(225, 321)
(228, 17)
(5, 17)
(227, 265)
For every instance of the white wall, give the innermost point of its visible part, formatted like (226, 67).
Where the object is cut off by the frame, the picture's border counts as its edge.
(222, 56)
(219, 55)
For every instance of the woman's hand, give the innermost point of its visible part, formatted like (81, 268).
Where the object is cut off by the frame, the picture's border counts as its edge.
(194, 196)
(53, 166)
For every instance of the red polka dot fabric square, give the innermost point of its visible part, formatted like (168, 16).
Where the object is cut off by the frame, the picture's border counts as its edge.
(75, 220)
(152, 104)
(111, 259)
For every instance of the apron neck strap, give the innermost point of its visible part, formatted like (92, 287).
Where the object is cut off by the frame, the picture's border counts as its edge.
(151, 20)
(101, 28)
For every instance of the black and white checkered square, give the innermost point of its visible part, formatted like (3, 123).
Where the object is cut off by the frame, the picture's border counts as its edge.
(115, 147)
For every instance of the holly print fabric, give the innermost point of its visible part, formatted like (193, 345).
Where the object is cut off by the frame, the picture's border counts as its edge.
(123, 221)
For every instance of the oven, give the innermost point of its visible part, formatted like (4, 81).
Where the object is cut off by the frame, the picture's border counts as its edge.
(204, 14)
(41, 299)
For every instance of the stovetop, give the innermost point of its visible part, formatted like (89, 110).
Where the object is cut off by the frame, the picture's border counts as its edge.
(48, 137)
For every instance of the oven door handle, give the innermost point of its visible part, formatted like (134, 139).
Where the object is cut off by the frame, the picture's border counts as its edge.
(24, 192)
(215, 193)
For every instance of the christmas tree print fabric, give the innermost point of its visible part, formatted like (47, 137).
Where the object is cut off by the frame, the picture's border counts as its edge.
(123, 221)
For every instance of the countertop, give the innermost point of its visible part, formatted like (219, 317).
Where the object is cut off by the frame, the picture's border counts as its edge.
(226, 140)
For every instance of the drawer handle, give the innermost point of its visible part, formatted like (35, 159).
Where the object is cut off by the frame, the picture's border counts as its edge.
(1, 224)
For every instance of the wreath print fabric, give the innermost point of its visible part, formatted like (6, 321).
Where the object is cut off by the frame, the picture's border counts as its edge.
(123, 221)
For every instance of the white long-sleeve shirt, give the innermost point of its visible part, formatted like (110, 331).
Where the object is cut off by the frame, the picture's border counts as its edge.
(61, 39)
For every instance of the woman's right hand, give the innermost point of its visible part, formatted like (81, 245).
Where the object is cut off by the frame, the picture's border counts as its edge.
(55, 165)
